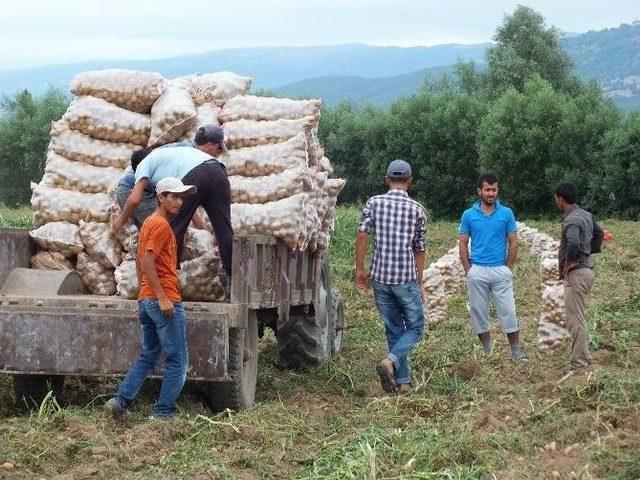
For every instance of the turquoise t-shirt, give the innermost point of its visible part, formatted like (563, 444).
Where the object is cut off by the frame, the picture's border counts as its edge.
(170, 161)
(488, 234)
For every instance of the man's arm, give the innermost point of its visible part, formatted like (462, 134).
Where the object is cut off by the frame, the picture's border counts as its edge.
(362, 280)
(572, 235)
(513, 249)
(463, 251)
(149, 268)
(130, 205)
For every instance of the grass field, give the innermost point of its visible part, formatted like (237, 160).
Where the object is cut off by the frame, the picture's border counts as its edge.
(15, 217)
(466, 418)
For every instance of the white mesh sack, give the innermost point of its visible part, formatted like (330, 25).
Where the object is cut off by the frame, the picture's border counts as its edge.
(130, 89)
(127, 236)
(64, 173)
(44, 260)
(173, 114)
(96, 278)
(197, 243)
(249, 107)
(325, 165)
(55, 205)
(126, 277)
(215, 87)
(206, 114)
(552, 329)
(266, 159)
(436, 297)
(249, 133)
(62, 237)
(101, 243)
(105, 121)
(79, 147)
(199, 280)
(268, 188)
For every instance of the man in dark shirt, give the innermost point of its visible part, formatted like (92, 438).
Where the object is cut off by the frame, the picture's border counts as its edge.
(579, 229)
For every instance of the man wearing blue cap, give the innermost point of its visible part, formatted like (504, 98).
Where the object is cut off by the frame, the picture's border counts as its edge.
(396, 271)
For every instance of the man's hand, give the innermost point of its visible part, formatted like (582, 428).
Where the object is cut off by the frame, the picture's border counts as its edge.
(423, 294)
(116, 223)
(608, 236)
(569, 264)
(166, 307)
(362, 280)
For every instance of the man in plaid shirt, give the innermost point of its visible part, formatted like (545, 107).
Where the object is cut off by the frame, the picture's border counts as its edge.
(396, 271)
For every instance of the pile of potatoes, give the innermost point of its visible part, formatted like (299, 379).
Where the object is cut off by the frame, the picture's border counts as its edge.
(100, 242)
(96, 278)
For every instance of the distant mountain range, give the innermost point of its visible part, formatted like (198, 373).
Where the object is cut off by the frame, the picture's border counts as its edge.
(363, 72)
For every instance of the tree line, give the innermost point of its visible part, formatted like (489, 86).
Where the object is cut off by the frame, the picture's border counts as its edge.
(523, 115)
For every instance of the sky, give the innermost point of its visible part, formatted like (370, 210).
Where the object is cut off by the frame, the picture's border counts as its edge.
(34, 33)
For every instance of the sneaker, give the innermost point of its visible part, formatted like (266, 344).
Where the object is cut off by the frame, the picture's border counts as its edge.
(160, 418)
(113, 408)
(519, 357)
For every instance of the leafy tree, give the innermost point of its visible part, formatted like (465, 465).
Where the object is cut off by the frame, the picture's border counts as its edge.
(24, 136)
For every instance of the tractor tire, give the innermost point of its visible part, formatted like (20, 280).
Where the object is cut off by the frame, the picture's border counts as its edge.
(337, 321)
(29, 390)
(304, 340)
(238, 393)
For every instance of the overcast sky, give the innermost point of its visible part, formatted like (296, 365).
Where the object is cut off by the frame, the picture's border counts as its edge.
(43, 32)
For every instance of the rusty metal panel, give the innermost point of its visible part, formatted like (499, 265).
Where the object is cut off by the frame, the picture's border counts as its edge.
(104, 342)
(16, 249)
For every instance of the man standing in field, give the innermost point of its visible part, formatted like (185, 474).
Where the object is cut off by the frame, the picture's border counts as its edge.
(160, 309)
(396, 271)
(581, 236)
(490, 226)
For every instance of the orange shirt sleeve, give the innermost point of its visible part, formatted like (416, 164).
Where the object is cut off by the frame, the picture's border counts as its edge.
(158, 236)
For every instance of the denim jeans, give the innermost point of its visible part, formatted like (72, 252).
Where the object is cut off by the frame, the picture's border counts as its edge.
(401, 309)
(160, 334)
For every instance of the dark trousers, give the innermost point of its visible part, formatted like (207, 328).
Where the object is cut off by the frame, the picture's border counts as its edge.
(214, 194)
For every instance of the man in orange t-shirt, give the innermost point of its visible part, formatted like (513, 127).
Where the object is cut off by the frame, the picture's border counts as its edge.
(160, 308)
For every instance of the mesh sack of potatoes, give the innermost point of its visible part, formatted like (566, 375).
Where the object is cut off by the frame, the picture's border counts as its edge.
(325, 165)
(553, 304)
(214, 88)
(44, 260)
(206, 114)
(550, 335)
(199, 280)
(171, 116)
(266, 159)
(249, 133)
(268, 188)
(283, 219)
(128, 235)
(55, 205)
(96, 278)
(315, 152)
(436, 298)
(198, 242)
(63, 173)
(331, 189)
(101, 243)
(549, 268)
(79, 147)
(105, 121)
(249, 107)
(130, 89)
(126, 277)
(62, 237)
(310, 224)
(452, 272)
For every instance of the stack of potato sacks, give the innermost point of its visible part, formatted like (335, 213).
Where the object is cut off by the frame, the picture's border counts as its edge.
(552, 330)
(442, 280)
(278, 174)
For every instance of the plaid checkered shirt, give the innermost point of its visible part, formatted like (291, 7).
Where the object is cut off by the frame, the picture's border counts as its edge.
(400, 225)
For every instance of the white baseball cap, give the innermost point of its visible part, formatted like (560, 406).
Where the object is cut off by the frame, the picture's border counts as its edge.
(174, 185)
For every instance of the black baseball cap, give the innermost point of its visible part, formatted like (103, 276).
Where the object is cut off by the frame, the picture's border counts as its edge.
(399, 169)
(210, 134)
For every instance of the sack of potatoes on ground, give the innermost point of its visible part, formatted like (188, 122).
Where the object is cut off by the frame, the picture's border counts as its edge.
(105, 121)
(96, 278)
(266, 159)
(44, 260)
(56, 205)
(62, 237)
(250, 107)
(171, 116)
(133, 90)
(214, 88)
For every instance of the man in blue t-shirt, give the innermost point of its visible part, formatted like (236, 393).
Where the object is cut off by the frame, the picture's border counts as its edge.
(490, 226)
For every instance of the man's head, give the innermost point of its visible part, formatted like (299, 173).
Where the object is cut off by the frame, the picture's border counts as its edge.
(210, 139)
(171, 192)
(488, 188)
(138, 156)
(399, 175)
(566, 196)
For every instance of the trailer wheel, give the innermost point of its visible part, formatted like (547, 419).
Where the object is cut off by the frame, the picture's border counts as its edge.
(337, 321)
(305, 339)
(238, 393)
(29, 390)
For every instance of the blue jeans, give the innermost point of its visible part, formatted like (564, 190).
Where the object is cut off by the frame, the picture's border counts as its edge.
(159, 334)
(401, 309)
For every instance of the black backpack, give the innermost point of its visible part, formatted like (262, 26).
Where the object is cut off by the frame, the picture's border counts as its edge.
(597, 238)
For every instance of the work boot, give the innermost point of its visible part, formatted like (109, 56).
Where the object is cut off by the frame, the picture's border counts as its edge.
(113, 408)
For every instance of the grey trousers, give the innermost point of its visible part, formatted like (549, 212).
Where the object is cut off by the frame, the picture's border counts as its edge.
(577, 285)
(484, 283)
